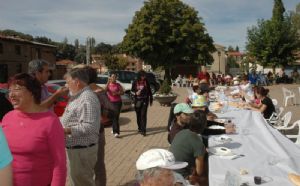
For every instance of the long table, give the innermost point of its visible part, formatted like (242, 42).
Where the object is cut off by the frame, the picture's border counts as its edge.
(267, 152)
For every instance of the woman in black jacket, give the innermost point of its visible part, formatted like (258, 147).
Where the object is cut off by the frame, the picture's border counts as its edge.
(143, 96)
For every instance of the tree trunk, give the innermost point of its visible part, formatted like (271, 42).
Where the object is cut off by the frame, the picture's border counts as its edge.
(167, 74)
(273, 68)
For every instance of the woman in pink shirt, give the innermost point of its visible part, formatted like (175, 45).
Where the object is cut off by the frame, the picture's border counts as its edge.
(35, 136)
(114, 92)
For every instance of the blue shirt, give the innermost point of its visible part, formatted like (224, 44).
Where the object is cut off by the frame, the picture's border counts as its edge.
(5, 155)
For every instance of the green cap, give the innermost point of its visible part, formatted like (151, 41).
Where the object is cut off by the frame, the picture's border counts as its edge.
(183, 107)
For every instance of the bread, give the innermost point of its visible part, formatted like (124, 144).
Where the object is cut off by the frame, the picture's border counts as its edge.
(294, 178)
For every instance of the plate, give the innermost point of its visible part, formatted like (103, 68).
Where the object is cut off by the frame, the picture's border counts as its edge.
(222, 139)
(216, 127)
(221, 151)
(220, 120)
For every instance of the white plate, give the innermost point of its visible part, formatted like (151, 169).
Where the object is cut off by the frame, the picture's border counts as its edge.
(222, 139)
(221, 151)
(216, 127)
(220, 120)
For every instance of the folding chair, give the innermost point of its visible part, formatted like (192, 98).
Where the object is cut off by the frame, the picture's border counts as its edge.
(296, 136)
(288, 94)
(284, 121)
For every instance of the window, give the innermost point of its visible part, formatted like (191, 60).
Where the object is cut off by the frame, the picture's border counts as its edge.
(39, 55)
(18, 49)
(18, 68)
(1, 48)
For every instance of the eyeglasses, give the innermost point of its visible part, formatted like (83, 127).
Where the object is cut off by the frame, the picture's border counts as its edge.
(16, 89)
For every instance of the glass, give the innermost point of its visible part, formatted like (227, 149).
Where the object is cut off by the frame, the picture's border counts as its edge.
(257, 180)
(232, 179)
(273, 160)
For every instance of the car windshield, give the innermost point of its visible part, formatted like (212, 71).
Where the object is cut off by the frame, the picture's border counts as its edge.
(102, 80)
(125, 76)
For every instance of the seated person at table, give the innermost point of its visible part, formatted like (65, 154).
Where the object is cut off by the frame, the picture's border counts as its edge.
(266, 106)
(187, 146)
(182, 112)
(200, 103)
(156, 167)
(246, 89)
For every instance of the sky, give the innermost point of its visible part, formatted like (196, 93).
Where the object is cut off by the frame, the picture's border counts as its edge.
(106, 20)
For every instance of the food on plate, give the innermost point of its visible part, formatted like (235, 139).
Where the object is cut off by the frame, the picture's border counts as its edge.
(243, 171)
(294, 178)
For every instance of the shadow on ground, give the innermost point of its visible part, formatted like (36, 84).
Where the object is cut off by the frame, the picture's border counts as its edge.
(150, 131)
(130, 183)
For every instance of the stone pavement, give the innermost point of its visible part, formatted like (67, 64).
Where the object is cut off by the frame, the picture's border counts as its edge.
(121, 153)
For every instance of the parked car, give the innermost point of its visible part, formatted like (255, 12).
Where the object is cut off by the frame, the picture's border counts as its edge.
(62, 101)
(103, 78)
(60, 105)
(128, 77)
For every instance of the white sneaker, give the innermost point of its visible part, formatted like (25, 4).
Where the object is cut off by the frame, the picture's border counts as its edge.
(116, 135)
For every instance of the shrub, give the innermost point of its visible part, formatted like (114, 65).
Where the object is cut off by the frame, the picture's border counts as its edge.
(165, 88)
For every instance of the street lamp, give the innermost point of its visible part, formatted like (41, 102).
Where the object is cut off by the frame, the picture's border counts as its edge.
(219, 54)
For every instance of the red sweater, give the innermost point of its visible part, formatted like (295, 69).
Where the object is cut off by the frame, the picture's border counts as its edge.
(37, 143)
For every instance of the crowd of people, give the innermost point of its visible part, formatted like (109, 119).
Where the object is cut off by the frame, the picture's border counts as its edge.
(37, 147)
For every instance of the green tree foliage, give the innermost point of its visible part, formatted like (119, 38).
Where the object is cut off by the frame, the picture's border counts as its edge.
(115, 62)
(278, 11)
(168, 32)
(165, 88)
(43, 39)
(295, 15)
(65, 50)
(80, 56)
(76, 44)
(103, 48)
(272, 42)
(14, 33)
(230, 49)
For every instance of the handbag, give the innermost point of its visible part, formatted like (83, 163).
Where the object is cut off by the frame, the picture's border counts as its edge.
(138, 103)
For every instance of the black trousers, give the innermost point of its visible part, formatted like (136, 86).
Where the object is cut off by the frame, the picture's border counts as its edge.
(141, 116)
(116, 116)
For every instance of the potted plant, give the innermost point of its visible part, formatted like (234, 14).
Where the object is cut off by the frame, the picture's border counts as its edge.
(165, 96)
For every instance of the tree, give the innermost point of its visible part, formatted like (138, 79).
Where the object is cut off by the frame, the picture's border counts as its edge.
(230, 49)
(115, 62)
(295, 15)
(14, 33)
(76, 44)
(278, 11)
(65, 50)
(80, 56)
(272, 42)
(168, 32)
(237, 48)
(103, 48)
(44, 40)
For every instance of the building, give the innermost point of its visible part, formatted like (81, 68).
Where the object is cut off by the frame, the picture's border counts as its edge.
(99, 63)
(16, 53)
(219, 63)
(134, 64)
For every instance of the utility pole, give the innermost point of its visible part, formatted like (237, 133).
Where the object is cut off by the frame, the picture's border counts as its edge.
(88, 50)
(219, 54)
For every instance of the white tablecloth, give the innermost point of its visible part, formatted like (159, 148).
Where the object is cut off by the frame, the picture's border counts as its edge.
(267, 152)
